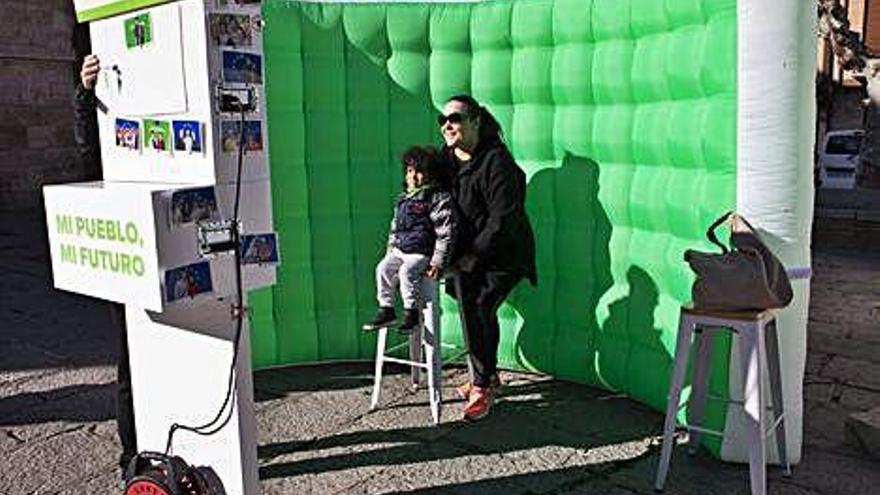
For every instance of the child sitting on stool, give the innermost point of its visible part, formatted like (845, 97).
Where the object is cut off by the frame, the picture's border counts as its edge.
(421, 239)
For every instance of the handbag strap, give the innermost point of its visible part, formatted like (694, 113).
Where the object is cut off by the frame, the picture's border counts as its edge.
(710, 234)
(752, 230)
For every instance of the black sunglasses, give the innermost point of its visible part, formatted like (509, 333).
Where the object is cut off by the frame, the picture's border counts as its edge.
(452, 118)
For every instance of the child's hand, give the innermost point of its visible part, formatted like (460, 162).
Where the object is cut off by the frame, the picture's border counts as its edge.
(432, 272)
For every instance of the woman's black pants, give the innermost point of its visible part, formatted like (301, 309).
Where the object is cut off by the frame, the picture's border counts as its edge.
(124, 407)
(482, 294)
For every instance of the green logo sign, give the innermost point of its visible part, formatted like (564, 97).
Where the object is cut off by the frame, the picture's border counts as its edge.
(124, 233)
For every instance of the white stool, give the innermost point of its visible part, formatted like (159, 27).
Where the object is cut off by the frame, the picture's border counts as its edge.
(758, 346)
(424, 351)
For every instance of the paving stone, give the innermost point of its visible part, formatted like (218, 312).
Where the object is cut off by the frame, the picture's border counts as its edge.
(863, 430)
(290, 424)
(823, 426)
(697, 475)
(816, 361)
(852, 371)
(829, 472)
(9, 441)
(336, 465)
(857, 399)
(76, 403)
(52, 464)
(293, 380)
(52, 384)
(837, 345)
(595, 487)
(106, 481)
(29, 363)
(785, 487)
(562, 481)
(820, 392)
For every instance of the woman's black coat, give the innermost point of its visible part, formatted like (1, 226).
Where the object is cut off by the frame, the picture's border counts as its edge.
(490, 191)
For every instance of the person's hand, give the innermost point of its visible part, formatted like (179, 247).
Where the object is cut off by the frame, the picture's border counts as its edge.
(89, 73)
(467, 262)
(433, 272)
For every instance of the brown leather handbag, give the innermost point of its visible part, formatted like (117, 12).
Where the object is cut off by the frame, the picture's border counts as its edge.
(744, 277)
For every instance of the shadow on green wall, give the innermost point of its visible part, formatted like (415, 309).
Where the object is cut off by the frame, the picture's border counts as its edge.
(559, 331)
(630, 332)
(572, 232)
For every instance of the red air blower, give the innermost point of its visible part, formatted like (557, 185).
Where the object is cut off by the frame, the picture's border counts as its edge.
(152, 473)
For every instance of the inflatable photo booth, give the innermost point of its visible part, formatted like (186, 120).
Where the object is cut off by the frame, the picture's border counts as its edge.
(637, 122)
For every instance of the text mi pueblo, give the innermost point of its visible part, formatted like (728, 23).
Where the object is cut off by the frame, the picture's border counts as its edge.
(101, 229)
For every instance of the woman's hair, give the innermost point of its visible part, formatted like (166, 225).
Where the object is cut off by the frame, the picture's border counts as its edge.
(490, 129)
(430, 161)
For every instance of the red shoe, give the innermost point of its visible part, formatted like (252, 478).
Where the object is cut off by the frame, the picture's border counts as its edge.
(463, 391)
(479, 403)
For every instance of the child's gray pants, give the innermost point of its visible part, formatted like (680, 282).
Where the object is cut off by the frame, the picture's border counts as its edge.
(408, 270)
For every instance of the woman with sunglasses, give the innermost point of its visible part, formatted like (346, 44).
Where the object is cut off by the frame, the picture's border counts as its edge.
(496, 242)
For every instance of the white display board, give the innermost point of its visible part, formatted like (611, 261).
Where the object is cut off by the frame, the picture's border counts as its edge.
(160, 120)
(102, 240)
(194, 346)
(130, 243)
(132, 48)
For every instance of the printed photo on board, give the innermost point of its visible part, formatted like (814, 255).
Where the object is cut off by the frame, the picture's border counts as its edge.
(241, 67)
(189, 206)
(187, 136)
(230, 130)
(157, 135)
(231, 30)
(128, 134)
(138, 31)
(259, 249)
(188, 281)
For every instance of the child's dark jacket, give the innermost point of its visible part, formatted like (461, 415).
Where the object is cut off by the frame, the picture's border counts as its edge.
(424, 223)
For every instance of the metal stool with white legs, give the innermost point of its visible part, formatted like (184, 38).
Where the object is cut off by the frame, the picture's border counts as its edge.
(759, 347)
(424, 351)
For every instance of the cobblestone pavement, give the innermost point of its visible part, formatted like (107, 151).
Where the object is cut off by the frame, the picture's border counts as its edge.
(57, 432)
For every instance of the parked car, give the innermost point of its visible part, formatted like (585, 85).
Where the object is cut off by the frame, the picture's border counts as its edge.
(839, 159)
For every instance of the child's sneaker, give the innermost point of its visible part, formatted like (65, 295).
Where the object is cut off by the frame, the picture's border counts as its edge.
(410, 320)
(385, 317)
(479, 404)
(463, 391)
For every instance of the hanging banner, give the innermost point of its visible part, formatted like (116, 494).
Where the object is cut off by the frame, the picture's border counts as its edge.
(90, 10)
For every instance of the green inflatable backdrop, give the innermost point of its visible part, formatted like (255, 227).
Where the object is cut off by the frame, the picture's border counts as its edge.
(622, 113)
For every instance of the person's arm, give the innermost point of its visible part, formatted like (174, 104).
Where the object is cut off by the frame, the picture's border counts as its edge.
(504, 191)
(443, 218)
(85, 104)
(392, 230)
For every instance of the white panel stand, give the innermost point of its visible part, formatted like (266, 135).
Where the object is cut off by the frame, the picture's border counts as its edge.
(180, 349)
(179, 363)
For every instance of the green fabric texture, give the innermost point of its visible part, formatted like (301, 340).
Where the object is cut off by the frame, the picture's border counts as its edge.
(622, 113)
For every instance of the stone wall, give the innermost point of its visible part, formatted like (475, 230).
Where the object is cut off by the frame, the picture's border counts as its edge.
(36, 93)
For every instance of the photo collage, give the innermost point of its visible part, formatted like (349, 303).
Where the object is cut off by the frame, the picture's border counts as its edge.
(184, 137)
(150, 135)
(233, 35)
